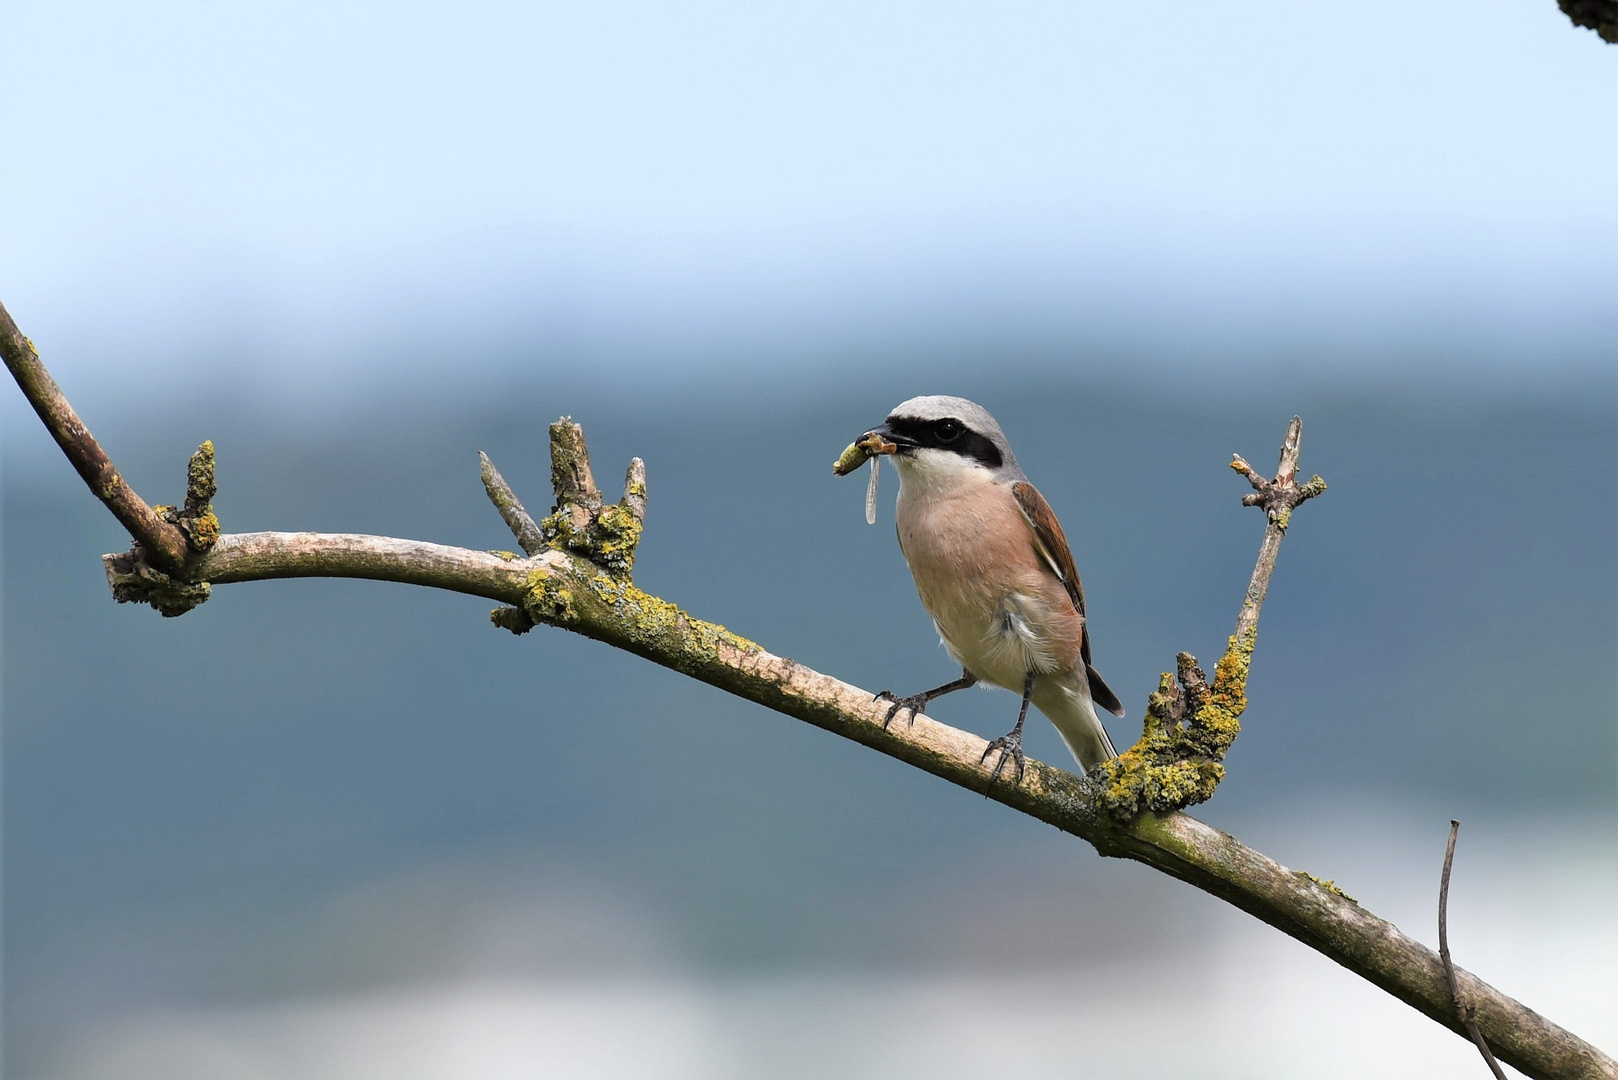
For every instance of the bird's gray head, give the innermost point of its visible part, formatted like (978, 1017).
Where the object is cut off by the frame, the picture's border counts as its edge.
(939, 440)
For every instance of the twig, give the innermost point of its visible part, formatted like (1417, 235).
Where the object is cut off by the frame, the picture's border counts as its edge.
(517, 519)
(570, 466)
(1466, 1013)
(1278, 497)
(635, 489)
(1189, 726)
(163, 543)
(585, 588)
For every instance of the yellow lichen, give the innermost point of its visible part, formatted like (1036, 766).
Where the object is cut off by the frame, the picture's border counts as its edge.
(196, 520)
(546, 599)
(609, 607)
(200, 486)
(1329, 886)
(649, 617)
(616, 535)
(608, 539)
(203, 530)
(1177, 761)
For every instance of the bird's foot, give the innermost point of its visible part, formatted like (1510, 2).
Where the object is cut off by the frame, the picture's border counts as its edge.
(916, 703)
(1010, 746)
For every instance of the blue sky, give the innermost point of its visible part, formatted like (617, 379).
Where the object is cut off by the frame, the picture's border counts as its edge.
(303, 191)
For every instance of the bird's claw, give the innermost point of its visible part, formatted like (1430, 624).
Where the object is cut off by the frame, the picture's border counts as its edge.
(1009, 746)
(915, 703)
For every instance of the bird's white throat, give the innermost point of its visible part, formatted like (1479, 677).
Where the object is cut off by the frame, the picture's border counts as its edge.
(928, 471)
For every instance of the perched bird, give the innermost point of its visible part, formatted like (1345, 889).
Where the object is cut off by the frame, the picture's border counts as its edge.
(994, 571)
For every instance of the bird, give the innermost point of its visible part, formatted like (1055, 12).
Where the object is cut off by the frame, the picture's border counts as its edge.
(993, 568)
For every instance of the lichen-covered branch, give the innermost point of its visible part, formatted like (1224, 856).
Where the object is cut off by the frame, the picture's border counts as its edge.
(132, 576)
(580, 522)
(580, 581)
(1189, 726)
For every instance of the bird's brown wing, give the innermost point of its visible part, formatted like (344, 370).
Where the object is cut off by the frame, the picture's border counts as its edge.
(1051, 543)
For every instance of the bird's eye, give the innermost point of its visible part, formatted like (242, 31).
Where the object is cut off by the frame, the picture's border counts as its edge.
(948, 430)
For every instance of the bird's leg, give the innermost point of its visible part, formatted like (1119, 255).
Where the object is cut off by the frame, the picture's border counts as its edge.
(1011, 742)
(917, 703)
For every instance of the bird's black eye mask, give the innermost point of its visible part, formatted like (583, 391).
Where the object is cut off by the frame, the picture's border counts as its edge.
(948, 434)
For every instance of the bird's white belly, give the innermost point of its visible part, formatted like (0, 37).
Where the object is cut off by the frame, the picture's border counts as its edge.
(999, 643)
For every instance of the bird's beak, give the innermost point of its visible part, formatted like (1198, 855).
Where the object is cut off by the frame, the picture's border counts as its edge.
(884, 440)
(877, 441)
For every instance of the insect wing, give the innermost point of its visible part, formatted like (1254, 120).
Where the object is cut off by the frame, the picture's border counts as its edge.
(870, 491)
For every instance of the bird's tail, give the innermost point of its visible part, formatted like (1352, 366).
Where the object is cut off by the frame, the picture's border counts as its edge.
(1066, 702)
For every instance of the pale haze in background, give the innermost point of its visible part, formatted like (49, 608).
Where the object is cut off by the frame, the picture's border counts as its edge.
(313, 193)
(345, 830)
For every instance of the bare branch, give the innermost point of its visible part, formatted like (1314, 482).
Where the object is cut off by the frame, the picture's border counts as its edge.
(635, 489)
(1278, 497)
(1466, 1013)
(517, 518)
(266, 556)
(164, 543)
(1256, 478)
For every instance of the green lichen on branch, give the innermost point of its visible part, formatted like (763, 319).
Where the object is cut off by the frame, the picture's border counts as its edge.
(135, 581)
(1189, 727)
(1307, 490)
(612, 609)
(200, 484)
(1329, 886)
(196, 519)
(652, 619)
(132, 577)
(579, 523)
(607, 537)
(548, 598)
(616, 536)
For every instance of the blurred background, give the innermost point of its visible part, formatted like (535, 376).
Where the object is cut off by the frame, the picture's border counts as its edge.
(348, 830)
